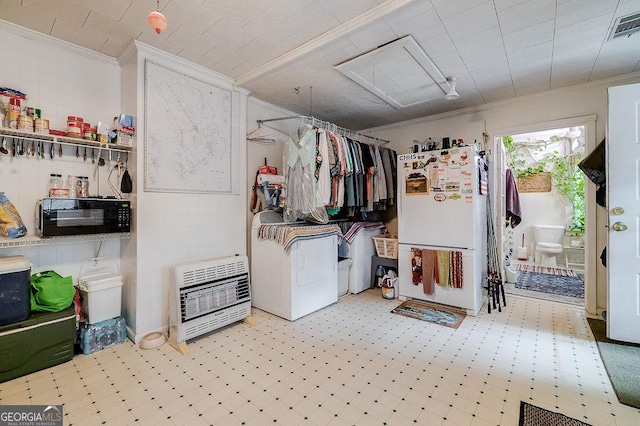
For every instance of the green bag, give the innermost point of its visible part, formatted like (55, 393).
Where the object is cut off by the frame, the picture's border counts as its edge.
(50, 292)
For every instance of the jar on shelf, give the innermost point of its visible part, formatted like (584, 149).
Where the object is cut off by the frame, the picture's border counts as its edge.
(56, 188)
(82, 187)
(74, 126)
(72, 184)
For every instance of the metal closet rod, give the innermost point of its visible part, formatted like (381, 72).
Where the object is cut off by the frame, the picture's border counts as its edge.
(325, 124)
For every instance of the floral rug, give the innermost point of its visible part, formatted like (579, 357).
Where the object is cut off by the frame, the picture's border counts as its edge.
(554, 284)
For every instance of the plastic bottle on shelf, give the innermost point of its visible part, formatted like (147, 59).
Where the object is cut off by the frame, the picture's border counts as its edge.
(72, 186)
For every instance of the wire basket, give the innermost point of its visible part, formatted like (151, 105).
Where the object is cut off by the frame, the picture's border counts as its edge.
(386, 247)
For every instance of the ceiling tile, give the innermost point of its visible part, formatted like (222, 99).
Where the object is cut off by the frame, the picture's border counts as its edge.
(591, 28)
(480, 42)
(471, 21)
(619, 56)
(530, 79)
(14, 12)
(575, 11)
(497, 93)
(535, 53)
(281, 10)
(195, 17)
(419, 22)
(486, 58)
(532, 68)
(351, 9)
(372, 36)
(506, 4)
(75, 33)
(230, 34)
(114, 9)
(530, 90)
(570, 78)
(437, 46)
(313, 19)
(526, 15)
(448, 8)
(111, 27)
(232, 11)
(76, 13)
(194, 41)
(530, 36)
(451, 64)
(495, 71)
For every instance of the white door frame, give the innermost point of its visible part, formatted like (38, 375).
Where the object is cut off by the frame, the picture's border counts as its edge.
(590, 255)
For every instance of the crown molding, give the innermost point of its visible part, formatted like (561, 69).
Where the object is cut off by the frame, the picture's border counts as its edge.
(56, 42)
(181, 64)
(338, 32)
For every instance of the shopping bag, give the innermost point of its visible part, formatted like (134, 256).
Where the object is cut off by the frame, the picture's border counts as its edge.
(50, 292)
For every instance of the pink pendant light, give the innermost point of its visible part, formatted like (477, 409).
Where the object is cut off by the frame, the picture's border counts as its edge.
(157, 20)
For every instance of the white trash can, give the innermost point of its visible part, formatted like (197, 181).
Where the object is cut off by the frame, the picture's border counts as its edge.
(344, 263)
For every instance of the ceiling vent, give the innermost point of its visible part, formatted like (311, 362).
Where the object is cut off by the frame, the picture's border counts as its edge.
(400, 73)
(625, 26)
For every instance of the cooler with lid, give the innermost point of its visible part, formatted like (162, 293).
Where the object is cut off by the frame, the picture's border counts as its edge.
(15, 302)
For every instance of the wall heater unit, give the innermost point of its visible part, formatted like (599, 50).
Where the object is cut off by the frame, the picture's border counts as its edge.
(208, 295)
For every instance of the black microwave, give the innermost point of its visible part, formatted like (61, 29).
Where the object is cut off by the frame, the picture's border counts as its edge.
(56, 217)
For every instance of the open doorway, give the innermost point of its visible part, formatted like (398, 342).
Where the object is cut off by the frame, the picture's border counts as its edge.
(543, 228)
(593, 287)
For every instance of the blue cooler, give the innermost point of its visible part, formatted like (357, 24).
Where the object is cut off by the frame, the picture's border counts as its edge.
(15, 289)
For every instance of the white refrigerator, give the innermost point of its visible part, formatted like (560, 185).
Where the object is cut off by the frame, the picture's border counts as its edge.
(441, 209)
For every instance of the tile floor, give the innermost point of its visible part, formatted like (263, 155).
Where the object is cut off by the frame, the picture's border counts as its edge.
(352, 363)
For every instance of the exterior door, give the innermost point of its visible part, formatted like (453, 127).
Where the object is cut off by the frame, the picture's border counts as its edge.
(623, 184)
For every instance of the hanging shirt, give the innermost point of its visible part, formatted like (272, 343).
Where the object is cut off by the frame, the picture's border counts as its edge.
(324, 172)
(303, 200)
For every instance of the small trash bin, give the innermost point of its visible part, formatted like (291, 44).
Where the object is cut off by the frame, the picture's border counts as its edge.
(344, 263)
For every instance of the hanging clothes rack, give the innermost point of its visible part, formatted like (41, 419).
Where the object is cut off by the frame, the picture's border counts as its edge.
(325, 125)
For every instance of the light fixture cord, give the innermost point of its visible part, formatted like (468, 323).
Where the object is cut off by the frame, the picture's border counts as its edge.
(158, 7)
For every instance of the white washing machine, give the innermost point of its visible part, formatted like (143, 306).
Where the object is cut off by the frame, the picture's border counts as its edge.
(295, 283)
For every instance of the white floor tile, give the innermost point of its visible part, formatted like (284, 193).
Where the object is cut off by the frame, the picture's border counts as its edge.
(351, 363)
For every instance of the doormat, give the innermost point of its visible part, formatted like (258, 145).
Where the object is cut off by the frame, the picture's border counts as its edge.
(563, 272)
(620, 359)
(530, 415)
(554, 284)
(431, 312)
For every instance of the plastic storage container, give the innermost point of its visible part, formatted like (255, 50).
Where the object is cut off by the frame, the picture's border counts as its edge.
(15, 302)
(101, 296)
(95, 337)
(344, 263)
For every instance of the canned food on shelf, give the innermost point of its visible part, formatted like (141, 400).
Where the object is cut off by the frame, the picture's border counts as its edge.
(25, 122)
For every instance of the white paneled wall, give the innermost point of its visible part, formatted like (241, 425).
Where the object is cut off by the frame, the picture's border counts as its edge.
(173, 228)
(61, 80)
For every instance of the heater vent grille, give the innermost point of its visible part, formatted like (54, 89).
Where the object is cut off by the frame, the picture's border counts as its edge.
(625, 26)
(209, 295)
